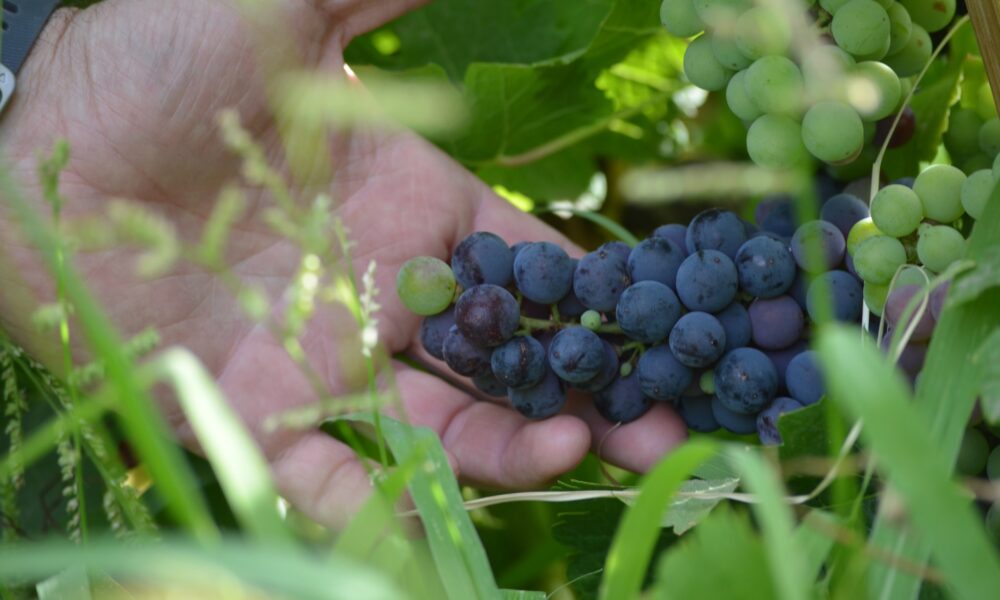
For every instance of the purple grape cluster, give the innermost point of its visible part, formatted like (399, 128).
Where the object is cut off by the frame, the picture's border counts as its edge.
(712, 318)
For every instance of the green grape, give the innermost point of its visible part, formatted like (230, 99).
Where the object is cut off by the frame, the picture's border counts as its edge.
(775, 85)
(869, 132)
(728, 54)
(861, 27)
(900, 27)
(707, 382)
(877, 259)
(875, 295)
(860, 232)
(932, 15)
(940, 190)
(738, 100)
(426, 285)
(763, 31)
(962, 137)
(832, 6)
(873, 90)
(680, 18)
(989, 137)
(976, 162)
(986, 107)
(896, 210)
(913, 275)
(720, 13)
(701, 66)
(938, 246)
(972, 454)
(591, 319)
(976, 192)
(823, 69)
(832, 132)
(993, 465)
(775, 142)
(911, 59)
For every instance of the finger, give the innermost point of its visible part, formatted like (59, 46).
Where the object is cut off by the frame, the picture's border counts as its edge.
(635, 446)
(494, 445)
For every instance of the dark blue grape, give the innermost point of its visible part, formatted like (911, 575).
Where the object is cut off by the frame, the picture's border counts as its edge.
(771, 235)
(697, 339)
(647, 310)
(434, 329)
(826, 237)
(569, 305)
(849, 267)
(781, 358)
(799, 289)
(519, 363)
(576, 354)
(674, 232)
(600, 278)
(845, 293)
(767, 420)
(736, 322)
(750, 229)
(843, 211)
(619, 249)
(464, 357)
(482, 257)
(731, 421)
(655, 259)
(490, 386)
(517, 248)
(745, 381)
(608, 372)
(765, 267)
(543, 272)
(487, 314)
(542, 400)
(622, 401)
(803, 378)
(696, 411)
(707, 281)
(775, 323)
(661, 376)
(777, 215)
(715, 229)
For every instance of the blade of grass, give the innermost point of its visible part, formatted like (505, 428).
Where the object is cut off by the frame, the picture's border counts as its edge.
(632, 547)
(147, 431)
(459, 555)
(240, 468)
(947, 392)
(785, 559)
(276, 569)
(902, 441)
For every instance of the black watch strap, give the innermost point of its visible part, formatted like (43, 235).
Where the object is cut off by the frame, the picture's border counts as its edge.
(23, 21)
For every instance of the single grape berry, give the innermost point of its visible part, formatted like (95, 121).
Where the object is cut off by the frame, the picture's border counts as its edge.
(775, 323)
(736, 323)
(781, 358)
(843, 211)
(707, 281)
(482, 257)
(591, 319)
(434, 329)
(732, 421)
(647, 311)
(576, 354)
(661, 375)
(622, 401)
(896, 304)
(487, 315)
(655, 259)
(715, 229)
(765, 267)
(804, 379)
(540, 401)
(676, 233)
(543, 272)
(821, 236)
(464, 357)
(745, 381)
(609, 371)
(426, 285)
(696, 411)
(697, 339)
(519, 363)
(844, 293)
(601, 276)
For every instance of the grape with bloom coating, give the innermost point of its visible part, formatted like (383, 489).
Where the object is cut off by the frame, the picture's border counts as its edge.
(832, 132)
(622, 401)
(696, 411)
(680, 18)
(697, 339)
(576, 354)
(426, 285)
(765, 267)
(715, 229)
(732, 421)
(519, 363)
(488, 315)
(775, 323)
(739, 100)
(655, 259)
(464, 357)
(736, 323)
(932, 15)
(661, 375)
(707, 281)
(844, 292)
(775, 142)
(896, 305)
(767, 420)
(861, 231)
(900, 27)
(877, 258)
(601, 276)
(482, 257)
(774, 84)
(914, 54)
(745, 381)
(701, 66)
(726, 51)
(434, 329)
(940, 190)
(939, 246)
(804, 378)
(542, 400)
(543, 272)
(824, 236)
(897, 210)
(647, 311)
(862, 28)
(843, 211)
(976, 192)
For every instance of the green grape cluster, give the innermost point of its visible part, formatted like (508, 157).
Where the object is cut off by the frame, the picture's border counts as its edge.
(821, 102)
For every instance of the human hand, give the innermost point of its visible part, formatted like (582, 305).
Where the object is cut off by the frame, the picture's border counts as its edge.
(135, 86)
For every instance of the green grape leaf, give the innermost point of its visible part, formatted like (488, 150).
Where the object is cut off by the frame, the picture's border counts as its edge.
(988, 359)
(686, 511)
(561, 176)
(722, 558)
(456, 33)
(804, 432)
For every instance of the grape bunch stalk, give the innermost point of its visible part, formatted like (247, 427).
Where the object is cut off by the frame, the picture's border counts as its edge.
(712, 317)
(802, 97)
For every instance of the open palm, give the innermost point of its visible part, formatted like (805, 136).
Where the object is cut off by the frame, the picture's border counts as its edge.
(135, 86)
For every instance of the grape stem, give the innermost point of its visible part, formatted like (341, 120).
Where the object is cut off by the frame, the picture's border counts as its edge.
(530, 324)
